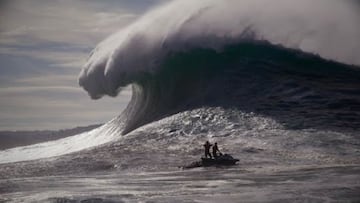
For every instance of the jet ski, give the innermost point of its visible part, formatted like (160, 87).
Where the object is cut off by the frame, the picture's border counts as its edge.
(222, 160)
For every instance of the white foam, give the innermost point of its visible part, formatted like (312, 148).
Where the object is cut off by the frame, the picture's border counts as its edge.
(329, 28)
(98, 136)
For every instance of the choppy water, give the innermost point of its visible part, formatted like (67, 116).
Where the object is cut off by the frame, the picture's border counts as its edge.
(315, 184)
(276, 164)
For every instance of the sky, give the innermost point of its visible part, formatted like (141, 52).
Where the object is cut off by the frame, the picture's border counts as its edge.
(43, 46)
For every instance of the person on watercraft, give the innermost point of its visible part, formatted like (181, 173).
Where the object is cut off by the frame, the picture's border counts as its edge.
(215, 149)
(207, 146)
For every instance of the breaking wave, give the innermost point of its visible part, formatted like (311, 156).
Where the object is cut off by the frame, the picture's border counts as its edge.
(288, 62)
(232, 53)
(251, 76)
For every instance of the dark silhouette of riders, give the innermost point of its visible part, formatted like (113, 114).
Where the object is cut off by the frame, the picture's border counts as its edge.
(207, 146)
(215, 149)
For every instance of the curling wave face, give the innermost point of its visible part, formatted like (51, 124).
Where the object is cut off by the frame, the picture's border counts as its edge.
(180, 59)
(327, 28)
(274, 81)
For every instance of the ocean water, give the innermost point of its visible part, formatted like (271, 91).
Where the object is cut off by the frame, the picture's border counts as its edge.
(289, 113)
(201, 185)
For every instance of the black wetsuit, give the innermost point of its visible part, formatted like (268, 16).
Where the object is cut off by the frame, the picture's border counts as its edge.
(215, 149)
(207, 146)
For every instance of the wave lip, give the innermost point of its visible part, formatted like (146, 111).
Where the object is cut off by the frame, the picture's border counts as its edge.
(165, 54)
(327, 28)
(251, 76)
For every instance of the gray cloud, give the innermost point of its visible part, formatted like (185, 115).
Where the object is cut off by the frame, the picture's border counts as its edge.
(43, 45)
(59, 21)
(54, 107)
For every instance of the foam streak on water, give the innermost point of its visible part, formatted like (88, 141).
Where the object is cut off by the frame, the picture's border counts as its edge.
(106, 133)
(210, 185)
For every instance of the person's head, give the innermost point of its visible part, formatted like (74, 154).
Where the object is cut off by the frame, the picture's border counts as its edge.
(215, 143)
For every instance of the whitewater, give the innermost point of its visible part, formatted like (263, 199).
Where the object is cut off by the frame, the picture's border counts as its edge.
(277, 85)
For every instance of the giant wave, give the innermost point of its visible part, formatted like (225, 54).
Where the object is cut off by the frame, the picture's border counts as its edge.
(183, 53)
(275, 83)
(290, 62)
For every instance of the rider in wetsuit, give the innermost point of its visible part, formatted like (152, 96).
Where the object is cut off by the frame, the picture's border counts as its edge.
(207, 146)
(215, 149)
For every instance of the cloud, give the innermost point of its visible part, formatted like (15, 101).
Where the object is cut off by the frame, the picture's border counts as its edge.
(59, 21)
(62, 58)
(43, 45)
(35, 28)
(54, 107)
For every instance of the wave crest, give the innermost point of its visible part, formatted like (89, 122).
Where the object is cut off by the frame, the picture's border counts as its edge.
(249, 76)
(143, 53)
